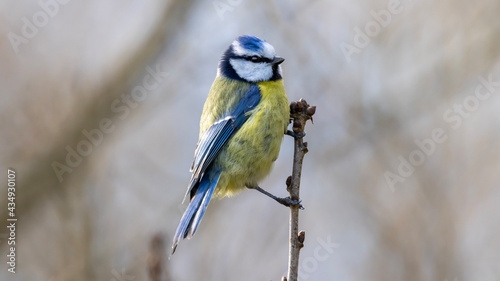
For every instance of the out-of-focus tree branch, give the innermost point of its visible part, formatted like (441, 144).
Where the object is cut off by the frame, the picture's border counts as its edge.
(157, 266)
(40, 181)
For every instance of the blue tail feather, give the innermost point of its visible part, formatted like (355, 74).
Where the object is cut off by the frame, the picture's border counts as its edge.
(196, 209)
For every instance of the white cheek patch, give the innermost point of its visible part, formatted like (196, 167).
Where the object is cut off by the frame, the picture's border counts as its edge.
(253, 72)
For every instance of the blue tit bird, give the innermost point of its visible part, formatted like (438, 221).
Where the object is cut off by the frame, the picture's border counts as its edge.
(244, 119)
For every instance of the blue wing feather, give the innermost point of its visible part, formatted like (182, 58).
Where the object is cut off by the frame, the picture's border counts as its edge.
(196, 209)
(204, 177)
(214, 139)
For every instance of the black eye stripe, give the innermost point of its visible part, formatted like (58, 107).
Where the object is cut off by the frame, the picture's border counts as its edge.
(255, 59)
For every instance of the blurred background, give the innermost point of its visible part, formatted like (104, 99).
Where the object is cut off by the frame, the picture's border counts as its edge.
(101, 103)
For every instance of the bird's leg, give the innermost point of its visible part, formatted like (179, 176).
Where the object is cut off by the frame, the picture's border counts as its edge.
(287, 201)
(295, 135)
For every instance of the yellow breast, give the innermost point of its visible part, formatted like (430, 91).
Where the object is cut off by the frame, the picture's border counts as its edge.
(249, 155)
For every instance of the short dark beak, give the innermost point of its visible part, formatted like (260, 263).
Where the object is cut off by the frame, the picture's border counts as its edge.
(277, 60)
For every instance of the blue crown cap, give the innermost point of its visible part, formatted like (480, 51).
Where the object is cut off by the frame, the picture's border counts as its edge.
(250, 42)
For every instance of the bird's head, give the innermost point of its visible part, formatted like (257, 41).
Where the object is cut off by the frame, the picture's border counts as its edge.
(250, 59)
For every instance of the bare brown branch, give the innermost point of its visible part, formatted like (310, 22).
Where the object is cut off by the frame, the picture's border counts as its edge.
(300, 112)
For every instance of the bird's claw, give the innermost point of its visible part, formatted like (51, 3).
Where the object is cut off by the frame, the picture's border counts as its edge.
(295, 135)
(287, 201)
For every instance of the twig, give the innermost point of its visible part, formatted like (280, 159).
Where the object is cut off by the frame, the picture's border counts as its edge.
(300, 112)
